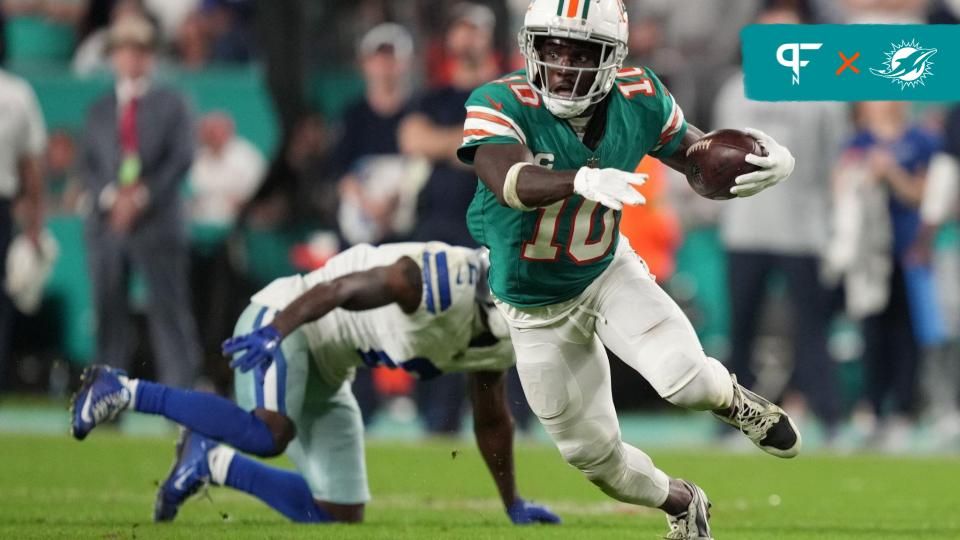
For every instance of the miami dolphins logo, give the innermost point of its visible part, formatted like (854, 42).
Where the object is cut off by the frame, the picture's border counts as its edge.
(908, 64)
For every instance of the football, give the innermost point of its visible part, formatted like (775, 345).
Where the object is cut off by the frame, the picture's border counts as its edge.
(718, 159)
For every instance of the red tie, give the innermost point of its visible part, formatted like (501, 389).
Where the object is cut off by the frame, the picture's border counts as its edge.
(130, 162)
(128, 128)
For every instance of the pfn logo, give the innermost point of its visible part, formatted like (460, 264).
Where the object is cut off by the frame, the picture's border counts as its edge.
(794, 62)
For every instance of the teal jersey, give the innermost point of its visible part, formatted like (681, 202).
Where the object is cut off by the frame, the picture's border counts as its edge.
(552, 254)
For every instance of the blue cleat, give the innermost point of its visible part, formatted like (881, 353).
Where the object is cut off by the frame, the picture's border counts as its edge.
(102, 396)
(188, 475)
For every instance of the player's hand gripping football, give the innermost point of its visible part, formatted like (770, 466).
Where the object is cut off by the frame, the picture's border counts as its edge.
(774, 167)
(258, 348)
(523, 512)
(610, 187)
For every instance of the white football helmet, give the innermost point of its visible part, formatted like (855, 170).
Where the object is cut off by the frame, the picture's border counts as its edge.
(602, 22)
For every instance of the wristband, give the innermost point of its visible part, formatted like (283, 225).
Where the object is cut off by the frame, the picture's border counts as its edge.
(510, 188)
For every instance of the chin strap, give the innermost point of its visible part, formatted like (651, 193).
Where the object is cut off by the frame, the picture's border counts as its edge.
(565, 108)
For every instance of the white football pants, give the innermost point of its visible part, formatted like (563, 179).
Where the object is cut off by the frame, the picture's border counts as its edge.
(566, 374)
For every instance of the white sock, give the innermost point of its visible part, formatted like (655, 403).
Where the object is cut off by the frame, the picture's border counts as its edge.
(219, 460)
(131, 386)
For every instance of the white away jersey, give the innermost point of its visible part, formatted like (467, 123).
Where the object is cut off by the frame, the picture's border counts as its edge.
(432, 340)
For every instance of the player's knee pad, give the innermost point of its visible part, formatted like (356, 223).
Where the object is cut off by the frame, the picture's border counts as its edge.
(710, 389)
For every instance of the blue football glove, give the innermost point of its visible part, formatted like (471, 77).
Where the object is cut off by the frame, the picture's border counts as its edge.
(523, 512)
(258, 348)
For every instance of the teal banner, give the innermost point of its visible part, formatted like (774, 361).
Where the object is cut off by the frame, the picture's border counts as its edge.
(852, 62)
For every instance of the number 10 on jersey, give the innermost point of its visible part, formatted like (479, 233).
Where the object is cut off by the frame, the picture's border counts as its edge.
(545, 246)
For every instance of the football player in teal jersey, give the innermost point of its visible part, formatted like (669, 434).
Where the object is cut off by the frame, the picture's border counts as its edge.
(555, 147)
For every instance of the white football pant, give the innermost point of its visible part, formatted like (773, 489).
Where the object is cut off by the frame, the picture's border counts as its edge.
(566, 374)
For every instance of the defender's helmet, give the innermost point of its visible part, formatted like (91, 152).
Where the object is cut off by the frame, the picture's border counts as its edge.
(600, 22)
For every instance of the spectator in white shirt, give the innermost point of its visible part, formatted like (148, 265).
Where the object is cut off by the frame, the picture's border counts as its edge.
(227, 171)
(23, 137)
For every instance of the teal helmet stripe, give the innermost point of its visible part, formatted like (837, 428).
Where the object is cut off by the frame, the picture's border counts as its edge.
(586, 8)
(560, 4)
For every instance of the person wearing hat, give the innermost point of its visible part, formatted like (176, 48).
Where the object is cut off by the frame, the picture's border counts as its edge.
(136, 150)
(370, 124)
(378, 185)
(367, 145)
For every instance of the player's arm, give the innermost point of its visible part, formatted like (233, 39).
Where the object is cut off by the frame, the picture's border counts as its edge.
(536, 186)
(507, 171)
(398, 283)
(678, 161)
(493, 428)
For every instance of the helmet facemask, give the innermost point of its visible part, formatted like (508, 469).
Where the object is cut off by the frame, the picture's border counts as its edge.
(612, 54)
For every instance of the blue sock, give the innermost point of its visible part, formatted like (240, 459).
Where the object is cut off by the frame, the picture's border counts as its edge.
(207, 414)
(286, 492)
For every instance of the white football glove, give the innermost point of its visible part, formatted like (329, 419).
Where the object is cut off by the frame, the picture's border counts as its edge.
(610, 187)
(774, 167)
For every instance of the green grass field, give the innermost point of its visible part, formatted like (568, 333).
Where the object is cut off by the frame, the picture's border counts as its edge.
(54, 487)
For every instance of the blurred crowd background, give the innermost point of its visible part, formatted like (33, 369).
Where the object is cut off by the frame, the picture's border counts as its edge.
(272, 134)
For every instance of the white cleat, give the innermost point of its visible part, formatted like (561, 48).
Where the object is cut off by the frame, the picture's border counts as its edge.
(763, 422)
(694, 523)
